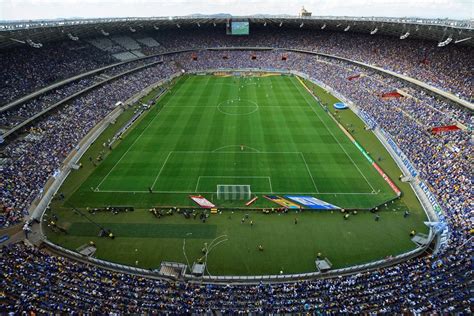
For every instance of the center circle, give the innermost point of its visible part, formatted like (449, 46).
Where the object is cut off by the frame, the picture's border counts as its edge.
(237, 107)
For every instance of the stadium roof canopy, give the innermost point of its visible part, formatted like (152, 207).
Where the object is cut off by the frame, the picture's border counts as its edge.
(15, 33)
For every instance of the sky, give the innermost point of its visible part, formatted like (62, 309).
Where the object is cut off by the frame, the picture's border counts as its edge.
(53, 9)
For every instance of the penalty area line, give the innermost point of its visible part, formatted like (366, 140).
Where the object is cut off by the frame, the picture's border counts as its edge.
(212, 192)
(309, 172)
(138, 137)
(304, 94)
(162, 167)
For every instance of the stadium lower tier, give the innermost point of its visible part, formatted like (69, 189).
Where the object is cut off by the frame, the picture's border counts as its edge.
(35, 281)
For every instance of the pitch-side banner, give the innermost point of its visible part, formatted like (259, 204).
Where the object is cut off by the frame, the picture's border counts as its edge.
(447, 128)
(202, 201)
(281, 201)
(312, 202)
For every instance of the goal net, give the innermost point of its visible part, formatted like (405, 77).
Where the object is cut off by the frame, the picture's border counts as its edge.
(233, 192)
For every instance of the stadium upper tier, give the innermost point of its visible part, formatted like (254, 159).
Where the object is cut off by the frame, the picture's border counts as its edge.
(26, 69)
(17, 32)
(426, 284)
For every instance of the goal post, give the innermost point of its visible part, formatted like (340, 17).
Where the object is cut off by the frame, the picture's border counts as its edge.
(233, 192)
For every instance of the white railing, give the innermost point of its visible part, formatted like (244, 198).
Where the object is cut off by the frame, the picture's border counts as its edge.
(16, 25)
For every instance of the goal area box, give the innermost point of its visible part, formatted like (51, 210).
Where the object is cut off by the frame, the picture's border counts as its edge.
(233, 192)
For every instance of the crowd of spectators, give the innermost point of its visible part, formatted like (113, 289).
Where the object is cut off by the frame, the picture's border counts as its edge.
(16, 115)
(31, 160)
(24, 70)
(34, 280)
(448, 68)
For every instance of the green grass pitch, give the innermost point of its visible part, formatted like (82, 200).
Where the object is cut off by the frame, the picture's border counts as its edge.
(266, 132)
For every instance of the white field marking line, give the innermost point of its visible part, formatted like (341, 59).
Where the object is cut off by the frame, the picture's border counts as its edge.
(309, 172)
(238, 177)
(234, 152)
(238, 146)
(225, 84)
(190, 192)
(221, 105)
(348, 156)
(162, 167)
(214, 106)
(120, 191)
(173, 93)
(270, 182)
(197, 184)
(126, 152)
(138, 137)
(323, 193)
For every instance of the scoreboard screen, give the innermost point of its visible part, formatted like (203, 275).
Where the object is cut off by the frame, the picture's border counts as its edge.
(239, 28)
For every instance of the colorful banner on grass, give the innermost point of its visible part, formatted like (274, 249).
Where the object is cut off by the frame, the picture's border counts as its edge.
(202, 201)
(281, 201)
(312, 202)
(251, 201)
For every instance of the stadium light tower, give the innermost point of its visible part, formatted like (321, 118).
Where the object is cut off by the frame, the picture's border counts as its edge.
(15, 40)
(445, 42)
(462, 40)
(404, 36)
(72, 37)
(33, 44)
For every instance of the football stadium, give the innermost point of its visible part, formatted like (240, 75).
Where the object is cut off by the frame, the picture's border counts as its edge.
(226, 164)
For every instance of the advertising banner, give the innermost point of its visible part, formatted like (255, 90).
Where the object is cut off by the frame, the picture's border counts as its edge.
(281, 201)
(447, 128)
(202, 201)
(312, 202)
(406, 162)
